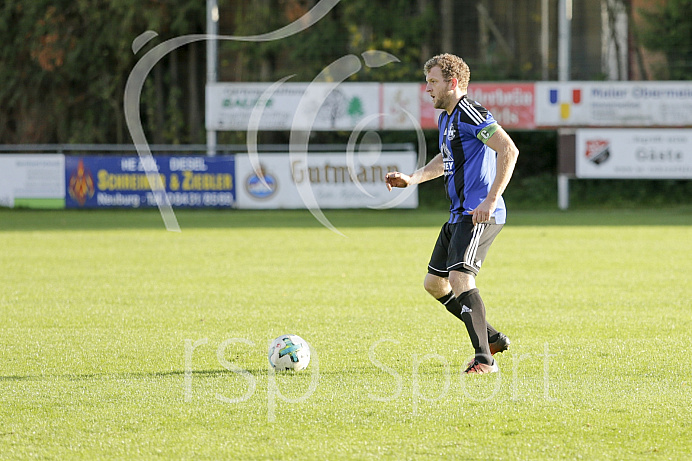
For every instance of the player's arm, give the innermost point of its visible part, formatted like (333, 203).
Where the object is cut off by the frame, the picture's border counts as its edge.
(507, 154)
(434, 169)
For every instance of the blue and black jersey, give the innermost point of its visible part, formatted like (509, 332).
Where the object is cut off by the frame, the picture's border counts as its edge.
(469, 165)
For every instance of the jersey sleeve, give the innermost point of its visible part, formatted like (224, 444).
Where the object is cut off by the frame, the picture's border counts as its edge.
(476, 121)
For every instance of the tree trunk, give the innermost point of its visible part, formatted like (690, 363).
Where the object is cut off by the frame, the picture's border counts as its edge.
(447, 21)
(193, 90)
(426, 49)
(160, 107)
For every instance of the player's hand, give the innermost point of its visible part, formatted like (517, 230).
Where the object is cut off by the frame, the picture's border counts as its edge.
(396, 179)
(482, 212)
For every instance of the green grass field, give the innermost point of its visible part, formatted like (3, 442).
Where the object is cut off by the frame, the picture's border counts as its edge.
(120, 340)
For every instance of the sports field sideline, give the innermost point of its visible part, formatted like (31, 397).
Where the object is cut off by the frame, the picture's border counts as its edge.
(120, 340)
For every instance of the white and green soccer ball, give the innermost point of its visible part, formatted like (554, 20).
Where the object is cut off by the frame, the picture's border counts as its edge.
(289, 352)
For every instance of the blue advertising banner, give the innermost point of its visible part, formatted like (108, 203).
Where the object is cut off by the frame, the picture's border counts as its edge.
(190, 181)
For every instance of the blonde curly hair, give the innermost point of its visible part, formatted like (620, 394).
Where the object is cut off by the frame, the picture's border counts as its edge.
(451, 67)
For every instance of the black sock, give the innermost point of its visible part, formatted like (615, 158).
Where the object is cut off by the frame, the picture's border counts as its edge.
(472, 313)
(448, 299)
(453, 306)
(492, 333)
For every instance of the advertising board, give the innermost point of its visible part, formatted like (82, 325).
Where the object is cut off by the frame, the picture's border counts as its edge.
(634, 154)
(512, 104)
(614, 104)
(333, 179)
(32, 180)
(230, 106)
(386, 106)
(190, 181)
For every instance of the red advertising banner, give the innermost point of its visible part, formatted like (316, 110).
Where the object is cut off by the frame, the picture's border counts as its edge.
(512, 104)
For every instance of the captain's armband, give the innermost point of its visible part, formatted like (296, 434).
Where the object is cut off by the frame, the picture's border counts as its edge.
(485, 134)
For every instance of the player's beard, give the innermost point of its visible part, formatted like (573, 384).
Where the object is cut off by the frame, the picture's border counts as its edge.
(443, 101)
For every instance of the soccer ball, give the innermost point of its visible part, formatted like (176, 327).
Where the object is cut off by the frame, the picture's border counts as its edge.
(289, 352)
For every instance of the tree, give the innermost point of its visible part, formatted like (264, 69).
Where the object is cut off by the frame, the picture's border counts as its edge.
(668, 29)
(64, 64)
(399, 27)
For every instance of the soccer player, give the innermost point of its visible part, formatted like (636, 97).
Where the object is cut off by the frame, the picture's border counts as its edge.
(477, 158)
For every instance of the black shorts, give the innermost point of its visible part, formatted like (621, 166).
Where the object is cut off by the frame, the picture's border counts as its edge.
(462, 247)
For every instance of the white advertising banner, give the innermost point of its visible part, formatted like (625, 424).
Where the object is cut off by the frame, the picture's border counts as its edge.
(262, 106)
(614, 104)
(401, 108)
(32, 180)
(634, 154)
(324, 180)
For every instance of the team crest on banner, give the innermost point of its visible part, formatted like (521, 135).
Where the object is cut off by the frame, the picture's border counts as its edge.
(597, 150)
(81, 184)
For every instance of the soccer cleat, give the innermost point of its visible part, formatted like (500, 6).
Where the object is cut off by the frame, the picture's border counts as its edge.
(500, 344)
(481, 368)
